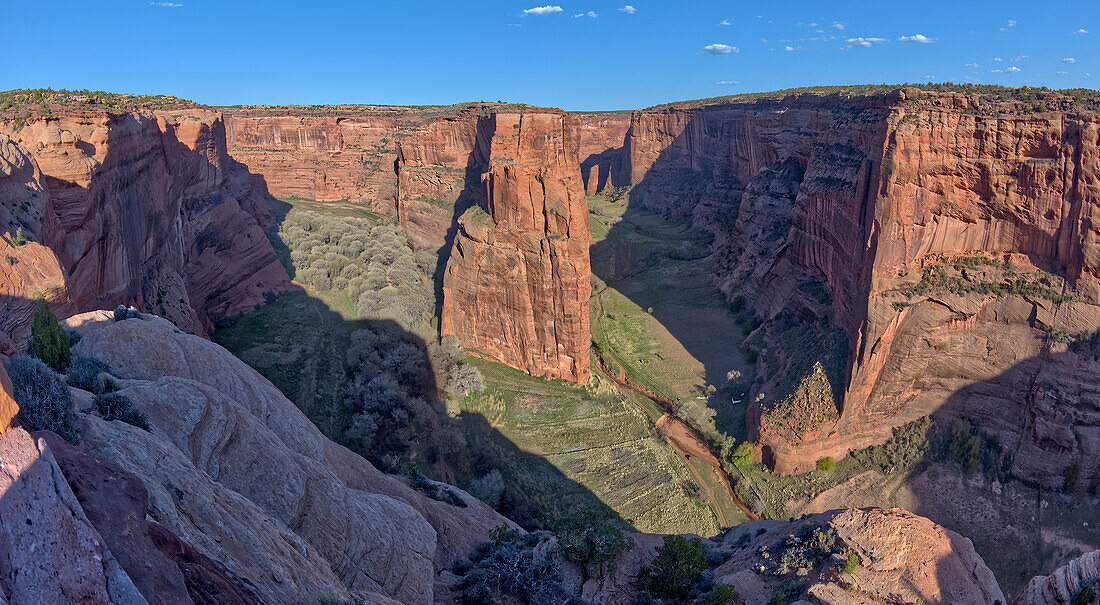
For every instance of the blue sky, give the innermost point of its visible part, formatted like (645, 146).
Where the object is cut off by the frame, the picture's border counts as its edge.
(585, 54)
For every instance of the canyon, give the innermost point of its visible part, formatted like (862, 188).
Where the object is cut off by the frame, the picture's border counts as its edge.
(895, 254)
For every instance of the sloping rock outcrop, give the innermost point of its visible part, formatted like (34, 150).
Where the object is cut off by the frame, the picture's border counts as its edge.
(224, 440)
(1064, 583)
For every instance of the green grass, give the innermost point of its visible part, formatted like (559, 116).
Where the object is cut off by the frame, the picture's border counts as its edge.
(339, 209)
(596, 440)
(297, 342)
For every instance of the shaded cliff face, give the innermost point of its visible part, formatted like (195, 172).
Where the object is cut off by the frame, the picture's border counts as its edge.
(602, 136)
(147, 208)
(870, 235)
(517, 282)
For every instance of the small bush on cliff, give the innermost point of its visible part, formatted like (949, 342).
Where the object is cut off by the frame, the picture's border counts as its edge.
(116, 406)
(421, 483)
(592, 537)
(826, 465)
(1084, 596)
(511, 565)
(48, 340)
(464, 379)
(679, 565)
(83, 373)
(45, 403)
(488, 488)
(723, 594)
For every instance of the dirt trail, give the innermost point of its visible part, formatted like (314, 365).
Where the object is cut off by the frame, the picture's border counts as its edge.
(683, 438)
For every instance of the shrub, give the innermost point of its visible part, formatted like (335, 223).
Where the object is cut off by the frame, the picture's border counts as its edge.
(83, 373)
(742, 454)
(19, 239)
(421, 483)
(45, 403)
(123, 313)
(1084, 596)
(826, 464)
(464, 378)
(488, 488)
(1072, 475)
(509, 566)
(74, 337)
(116, 406)
(776, 600)
(851, 563)
(723, 594)
(679, 565)
(592, 537)
(48, 340)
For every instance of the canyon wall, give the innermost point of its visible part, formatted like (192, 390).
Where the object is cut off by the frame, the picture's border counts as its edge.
(905, 254)
(516, 291)
(143, 208)
(518, 279)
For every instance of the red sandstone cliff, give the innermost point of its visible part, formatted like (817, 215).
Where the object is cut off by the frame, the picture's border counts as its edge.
(826, 212)
(143, 208)
(517, 282)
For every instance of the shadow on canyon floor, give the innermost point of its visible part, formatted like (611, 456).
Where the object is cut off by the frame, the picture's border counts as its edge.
(300, 340)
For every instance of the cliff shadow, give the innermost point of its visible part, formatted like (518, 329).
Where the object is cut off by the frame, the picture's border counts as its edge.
(1012, 460)
(378, 388)
(472, 195)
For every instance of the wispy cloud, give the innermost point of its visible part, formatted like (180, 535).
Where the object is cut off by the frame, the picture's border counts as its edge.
(863, 42)
(542, 10)
(726, 83)
(628, 9)
(788, 48)
(997, 59)
(591, 14)
(1018, 58)
(918, 38)
(1011, 23)
(166, 4)
(1010, 70)
(719, 49)
(725, 22)
(512, 25)
(971, 66)
(838, 25)
(1060, 73)
(1082, 31)
(1069, 60)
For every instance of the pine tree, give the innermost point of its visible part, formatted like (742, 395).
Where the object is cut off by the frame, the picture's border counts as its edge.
(48, 339)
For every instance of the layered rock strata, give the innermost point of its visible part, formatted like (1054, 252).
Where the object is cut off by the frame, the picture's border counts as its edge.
(143, 208)
(517, 281)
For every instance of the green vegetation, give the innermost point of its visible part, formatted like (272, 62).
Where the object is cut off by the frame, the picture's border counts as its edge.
(1084, 596)
(974, 451)
(45, 97)
(826, 465)
(723, 594)
(84, 372)
(116, 406)
(45, 402)
(851, 562)
(592, 538)
(435, 491)
(679, 565)
(19, 239)
(49, 341)
(938, 278)
(511, 565)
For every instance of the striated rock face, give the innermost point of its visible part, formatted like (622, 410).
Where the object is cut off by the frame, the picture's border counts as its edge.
(1064, 583)
(147, 208)
(870, 235)
(8, 407)
(602, 136)
(49, 551)
(517, 282)
(242, 478)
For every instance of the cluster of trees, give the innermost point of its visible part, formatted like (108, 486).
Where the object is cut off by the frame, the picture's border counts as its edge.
(373, 264)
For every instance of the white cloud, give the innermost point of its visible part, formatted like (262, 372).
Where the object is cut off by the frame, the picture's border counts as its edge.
(592, 14)
(971, 66)
(764, 40)
(997, 59)
(719, 49)
(837, 25)
(1018, 58)
(542, 10)
(1082, 31)
(918, 38)
(863, 42)
(1010, 70)
(1069, 60)
(1011, 23)
(166, 4)
(1060, 73)
(788, 48)
(726, 83)
(725, 22)
(512, 25)
(628, 9)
